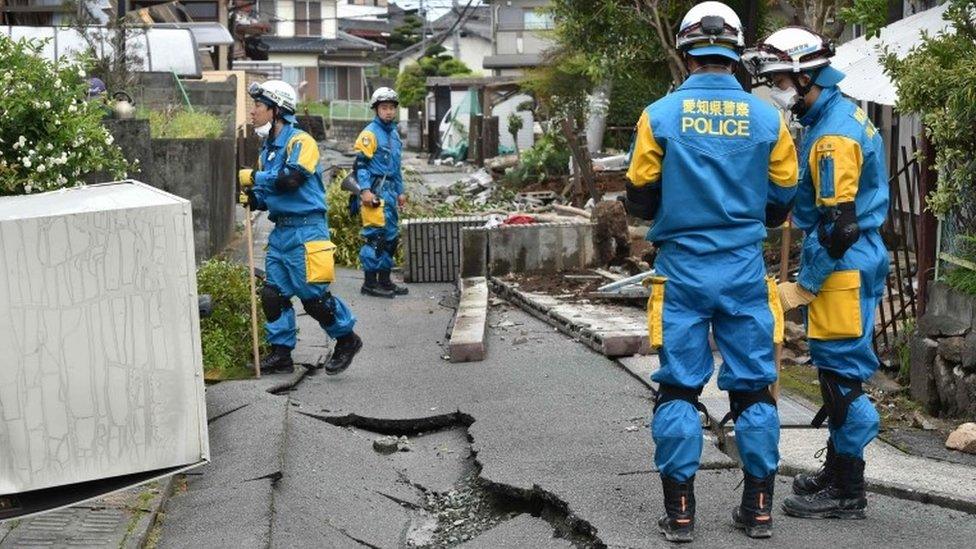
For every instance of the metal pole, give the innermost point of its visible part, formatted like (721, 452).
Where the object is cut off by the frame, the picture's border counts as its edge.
(636, 279)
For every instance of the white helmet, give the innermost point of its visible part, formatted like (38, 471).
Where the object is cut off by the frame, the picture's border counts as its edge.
(711, 28)
(794, 50)
(276, 93)
(384, 95)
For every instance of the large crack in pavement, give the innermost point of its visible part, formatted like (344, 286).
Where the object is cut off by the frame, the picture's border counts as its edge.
(474, 505)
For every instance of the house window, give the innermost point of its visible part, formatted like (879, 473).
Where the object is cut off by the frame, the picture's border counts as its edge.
(327, 83)
(537, 20)
(308, 18)
(293, 75)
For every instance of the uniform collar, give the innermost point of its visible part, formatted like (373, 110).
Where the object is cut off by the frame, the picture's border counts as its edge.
(827, 96)
(281, 139)
(386, 126)
(711, 80)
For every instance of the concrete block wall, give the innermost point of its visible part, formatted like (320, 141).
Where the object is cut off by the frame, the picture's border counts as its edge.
(345, 131)
(203, 172)
(548, 247)
(943, 354)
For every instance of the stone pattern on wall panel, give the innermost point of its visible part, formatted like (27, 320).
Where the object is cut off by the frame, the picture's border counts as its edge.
(100, 368)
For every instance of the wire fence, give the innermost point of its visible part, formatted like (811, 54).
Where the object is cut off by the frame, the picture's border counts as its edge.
(957, 234)
(350, 110)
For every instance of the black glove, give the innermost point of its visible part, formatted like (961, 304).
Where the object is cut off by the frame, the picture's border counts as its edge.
(776, 214)
(643, 201)
(843, 232)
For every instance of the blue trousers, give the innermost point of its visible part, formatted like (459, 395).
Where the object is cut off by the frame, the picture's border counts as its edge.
(728, 292)
(377, 251)
(840, 329)
(286, 266)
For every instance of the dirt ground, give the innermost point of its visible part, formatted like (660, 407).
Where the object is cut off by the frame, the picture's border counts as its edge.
(574, 283)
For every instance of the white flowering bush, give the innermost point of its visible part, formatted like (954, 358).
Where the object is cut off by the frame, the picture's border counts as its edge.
(50, 136)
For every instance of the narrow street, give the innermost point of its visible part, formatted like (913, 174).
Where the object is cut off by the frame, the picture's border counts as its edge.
(544, 444)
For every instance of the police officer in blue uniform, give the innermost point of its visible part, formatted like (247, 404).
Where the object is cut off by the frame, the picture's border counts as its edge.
(842, 201)
(381, 194)
(288, 184)
(713, 166)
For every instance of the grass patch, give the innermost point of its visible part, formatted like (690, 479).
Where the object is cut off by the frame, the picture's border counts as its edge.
(183, 124)
(961, 279)
(314, 108)
(226, 334)
(801, 381)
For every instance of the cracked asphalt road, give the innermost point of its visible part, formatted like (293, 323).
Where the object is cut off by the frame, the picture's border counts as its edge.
(550, 424)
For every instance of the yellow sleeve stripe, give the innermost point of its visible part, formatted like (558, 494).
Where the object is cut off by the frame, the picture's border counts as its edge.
(835, 168)
(783, 163)
(308, 152)
(645, 155)
(366, 143)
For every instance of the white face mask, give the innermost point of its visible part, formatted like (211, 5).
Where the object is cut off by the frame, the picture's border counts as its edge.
(784, 99)
(264, 130)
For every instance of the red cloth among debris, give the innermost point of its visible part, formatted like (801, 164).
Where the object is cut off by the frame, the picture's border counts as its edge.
(519, 219)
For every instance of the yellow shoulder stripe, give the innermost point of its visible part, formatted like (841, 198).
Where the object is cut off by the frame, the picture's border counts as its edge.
(783, 163)
(646, 155)
(308, 151)
(366, 143)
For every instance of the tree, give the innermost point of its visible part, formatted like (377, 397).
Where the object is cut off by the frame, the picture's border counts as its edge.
(50, 136)
(825, 16)
(115, 64)
(870, 14)
(407, 34)
(936, 81)
(411, 83)
(514, 125)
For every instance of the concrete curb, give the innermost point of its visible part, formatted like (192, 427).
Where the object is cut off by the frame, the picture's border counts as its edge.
(607, 334)
(468, 335)
(139, 535)
(895, 490)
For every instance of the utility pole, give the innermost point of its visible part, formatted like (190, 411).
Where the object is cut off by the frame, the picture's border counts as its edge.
(423, 28)
(457, 31)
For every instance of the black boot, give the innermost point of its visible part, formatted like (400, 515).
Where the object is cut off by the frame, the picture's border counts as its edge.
(844, 498)
(805, 484)
(387, 284)
(373, 288)
(755, 513)
(345, 348)
(678, 522)
(278, 361)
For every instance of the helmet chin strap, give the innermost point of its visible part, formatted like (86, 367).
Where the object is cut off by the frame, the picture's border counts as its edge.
(800, 107)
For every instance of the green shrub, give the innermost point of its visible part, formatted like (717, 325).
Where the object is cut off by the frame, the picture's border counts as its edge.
(343, 227)
(226, 334)
(50, 135)
(184, 124)
(548, 157)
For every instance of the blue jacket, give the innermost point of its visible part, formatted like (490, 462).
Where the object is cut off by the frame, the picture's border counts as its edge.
(290, 150)
(843, 160)
(379, 149)
(720, 155)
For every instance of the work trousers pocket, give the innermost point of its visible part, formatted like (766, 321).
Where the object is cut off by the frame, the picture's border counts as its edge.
(836, 312)
(320, 261)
